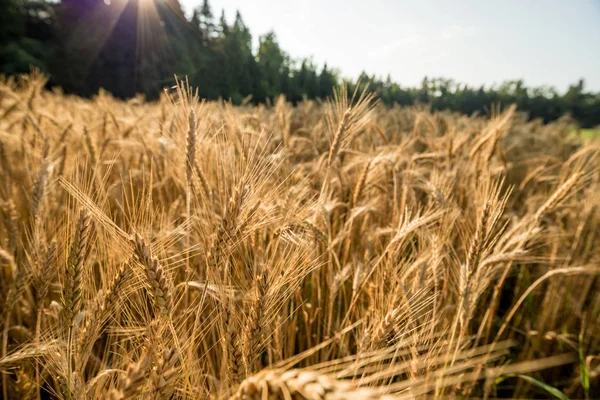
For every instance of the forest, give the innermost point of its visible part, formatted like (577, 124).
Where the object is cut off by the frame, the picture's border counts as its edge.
(130, 47)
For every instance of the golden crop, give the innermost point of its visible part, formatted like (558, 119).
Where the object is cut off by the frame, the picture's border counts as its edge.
(337, 250)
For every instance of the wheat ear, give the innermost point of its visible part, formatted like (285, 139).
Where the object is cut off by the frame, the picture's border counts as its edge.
(203, 181)
(166, 375)
(231, 345)
(255, 322)
(135, 377)
(383, 328)
(336, 144)
(360, 184)
(155, 273)
(191, 149)
(42, 286)
(39, 190)
(100, 312)
(473, 257)
(78, 254)
(90, 146)
(302, 385)
(42, 282)
(557, 197)
(11, 222)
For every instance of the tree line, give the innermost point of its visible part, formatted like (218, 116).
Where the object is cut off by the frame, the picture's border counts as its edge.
(137, 46)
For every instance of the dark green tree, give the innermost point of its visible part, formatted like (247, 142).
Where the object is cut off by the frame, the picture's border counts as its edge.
(27, 34)
(327, 80)
(273, 62)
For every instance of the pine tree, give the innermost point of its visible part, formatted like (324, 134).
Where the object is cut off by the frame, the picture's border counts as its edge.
(327, 81)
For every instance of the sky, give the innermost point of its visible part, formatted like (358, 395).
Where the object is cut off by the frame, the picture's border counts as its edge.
(543, 42)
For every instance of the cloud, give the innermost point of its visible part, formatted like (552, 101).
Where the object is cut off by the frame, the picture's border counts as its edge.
(458, 31)
(408, 42)
(413, 40)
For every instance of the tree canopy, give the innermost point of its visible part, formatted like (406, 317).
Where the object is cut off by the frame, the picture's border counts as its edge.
(137, 46)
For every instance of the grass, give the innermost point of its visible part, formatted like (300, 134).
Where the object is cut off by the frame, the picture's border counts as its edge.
(183, 249)
(589, 133)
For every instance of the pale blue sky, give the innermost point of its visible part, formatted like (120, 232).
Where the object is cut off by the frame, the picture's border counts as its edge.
(544, 42)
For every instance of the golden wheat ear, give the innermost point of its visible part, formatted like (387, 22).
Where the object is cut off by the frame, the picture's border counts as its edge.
(347, 117)
(298, 384)
(135, 378)
(155, 273)
(78, 255)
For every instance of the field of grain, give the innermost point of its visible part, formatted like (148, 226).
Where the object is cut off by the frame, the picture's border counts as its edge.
(335, 250)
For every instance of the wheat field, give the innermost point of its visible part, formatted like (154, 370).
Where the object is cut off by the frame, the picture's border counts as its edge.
(331, 250)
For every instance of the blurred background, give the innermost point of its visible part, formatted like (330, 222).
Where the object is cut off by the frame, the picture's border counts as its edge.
(462, 56)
